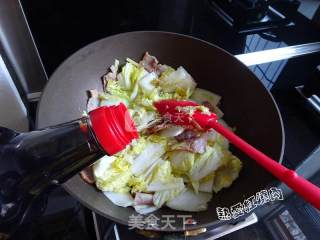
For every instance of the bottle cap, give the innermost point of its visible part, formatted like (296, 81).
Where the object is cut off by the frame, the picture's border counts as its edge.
(113, 127)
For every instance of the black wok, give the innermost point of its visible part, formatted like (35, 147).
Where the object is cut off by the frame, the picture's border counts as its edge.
(247, 105)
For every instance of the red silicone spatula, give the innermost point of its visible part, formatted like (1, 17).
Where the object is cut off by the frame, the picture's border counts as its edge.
(178, 113)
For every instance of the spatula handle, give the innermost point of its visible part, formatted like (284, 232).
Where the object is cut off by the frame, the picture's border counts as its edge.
(307, 190)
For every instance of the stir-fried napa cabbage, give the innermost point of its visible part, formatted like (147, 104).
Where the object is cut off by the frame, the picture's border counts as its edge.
(167, 165)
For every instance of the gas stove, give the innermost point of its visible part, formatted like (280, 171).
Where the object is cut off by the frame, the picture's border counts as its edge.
(110, 230)
(248, 16)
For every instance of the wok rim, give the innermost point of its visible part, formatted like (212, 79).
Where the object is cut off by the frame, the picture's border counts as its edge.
(120, 220)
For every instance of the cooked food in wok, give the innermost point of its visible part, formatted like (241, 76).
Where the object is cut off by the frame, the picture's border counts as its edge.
(169, 165)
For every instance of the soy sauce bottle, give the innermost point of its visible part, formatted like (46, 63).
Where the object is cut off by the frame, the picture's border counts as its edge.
(32, 163)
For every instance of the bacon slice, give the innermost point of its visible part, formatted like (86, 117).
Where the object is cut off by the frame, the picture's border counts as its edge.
(157, 126)
(111, 75)
(192, 143)
(87, 175)
(187, 134)
(143, 199)
(150, 63)
(209, 106)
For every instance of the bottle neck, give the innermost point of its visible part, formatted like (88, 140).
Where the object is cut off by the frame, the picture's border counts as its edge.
(48, 156)
(59, 152)
(32, 162)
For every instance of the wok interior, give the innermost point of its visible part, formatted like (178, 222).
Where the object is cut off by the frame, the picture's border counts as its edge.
(245, 102)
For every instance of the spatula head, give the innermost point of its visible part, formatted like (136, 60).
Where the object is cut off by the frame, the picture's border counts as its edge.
(113, 127)
(178, 113)
(171, 105)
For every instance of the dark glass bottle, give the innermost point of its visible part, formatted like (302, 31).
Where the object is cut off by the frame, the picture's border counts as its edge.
(31, 163)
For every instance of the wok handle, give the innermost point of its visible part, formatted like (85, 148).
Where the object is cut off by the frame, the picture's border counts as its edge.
(307, 190)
